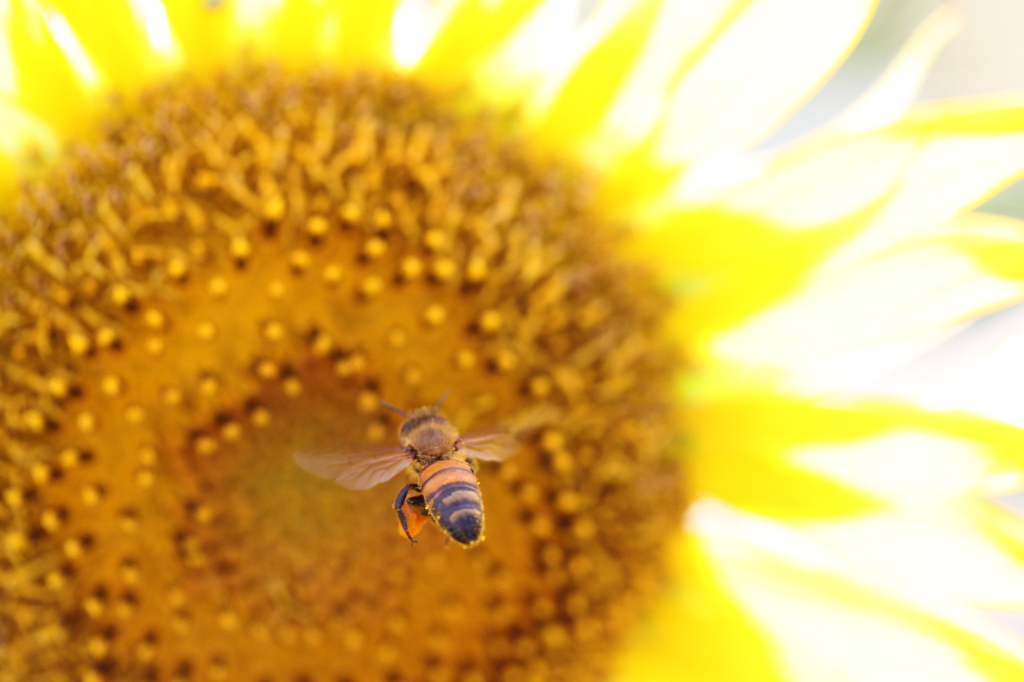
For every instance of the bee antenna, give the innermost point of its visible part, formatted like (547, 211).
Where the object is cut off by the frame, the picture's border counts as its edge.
(392, 407)
(441, 399)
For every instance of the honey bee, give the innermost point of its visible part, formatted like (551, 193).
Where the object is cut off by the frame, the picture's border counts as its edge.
(447, 489)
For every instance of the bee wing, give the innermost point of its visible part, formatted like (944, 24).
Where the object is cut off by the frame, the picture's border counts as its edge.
(492, 446)
(358, 469)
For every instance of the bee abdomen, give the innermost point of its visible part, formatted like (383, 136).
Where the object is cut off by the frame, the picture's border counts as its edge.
(453, 498)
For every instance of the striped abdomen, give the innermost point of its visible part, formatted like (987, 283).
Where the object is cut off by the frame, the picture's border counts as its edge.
(453, 498)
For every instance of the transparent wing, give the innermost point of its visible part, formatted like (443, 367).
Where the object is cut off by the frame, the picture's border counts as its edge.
(492, 446)
(358, 469)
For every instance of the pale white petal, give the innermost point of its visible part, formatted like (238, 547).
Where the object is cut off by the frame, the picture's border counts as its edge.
(910, 469)
(890, 96)
(822, 639)
(849, 326)
(979, 369)
(743, 537)
(70, 44)
(680, 30)
(414, 26)
(979, 365)
(826, 183)
(930, 560)
(762, 66)
(804, 582)
(945, 177)
(714, 178)
(152, 16)
(542, 53)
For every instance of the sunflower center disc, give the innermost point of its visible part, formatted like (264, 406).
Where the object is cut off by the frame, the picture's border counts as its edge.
(238, 272)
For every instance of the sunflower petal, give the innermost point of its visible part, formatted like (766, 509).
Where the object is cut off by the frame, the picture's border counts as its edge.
(415, 26)
(849, 326)
(582, 99)
(935, 164)
(830, 625)
(894, 91)
(935, 560)
(945, 177)
(911, 176)
(22, 135)
(758, 71)
(129, 42)
(302, 34)
(976, 366)
(533, 64)
(201, 30)
(352, 34)
(910, 469)
(52, 84)
(467, 35)
(715, 626)
(808, 187)
(993, 241)
(365, 33)
(757, 434)
(680, 32)
(978, 369)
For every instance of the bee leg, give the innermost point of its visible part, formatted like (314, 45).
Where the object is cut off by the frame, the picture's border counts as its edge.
(405, 504)
(417, 503)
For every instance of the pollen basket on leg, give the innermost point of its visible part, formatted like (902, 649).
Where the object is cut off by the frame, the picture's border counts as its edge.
(241, 271)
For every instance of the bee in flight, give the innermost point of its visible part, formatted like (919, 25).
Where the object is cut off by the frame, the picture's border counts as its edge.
(447, 489)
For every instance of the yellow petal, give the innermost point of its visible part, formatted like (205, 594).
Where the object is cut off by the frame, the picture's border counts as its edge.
(54, 75)
(129, 42)
(472, 31)
(735, 416)
(849, 326)
(681, 31)
(913, 176)
(345, 34)
(715, 628)
(25, 141)
(364, 36)
(945, 177)
(533, 64)
(828, 626)
(202, 31)
(762, 67)
(1003, 445)
(741, 451)
(582, 100)
(983, 115)
(743, 251)
(730, 266)
(297, 34)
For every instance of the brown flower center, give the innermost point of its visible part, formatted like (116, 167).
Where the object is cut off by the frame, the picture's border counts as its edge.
(241, 271)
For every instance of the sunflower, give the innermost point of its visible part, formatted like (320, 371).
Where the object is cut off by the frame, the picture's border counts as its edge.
(289, 212)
